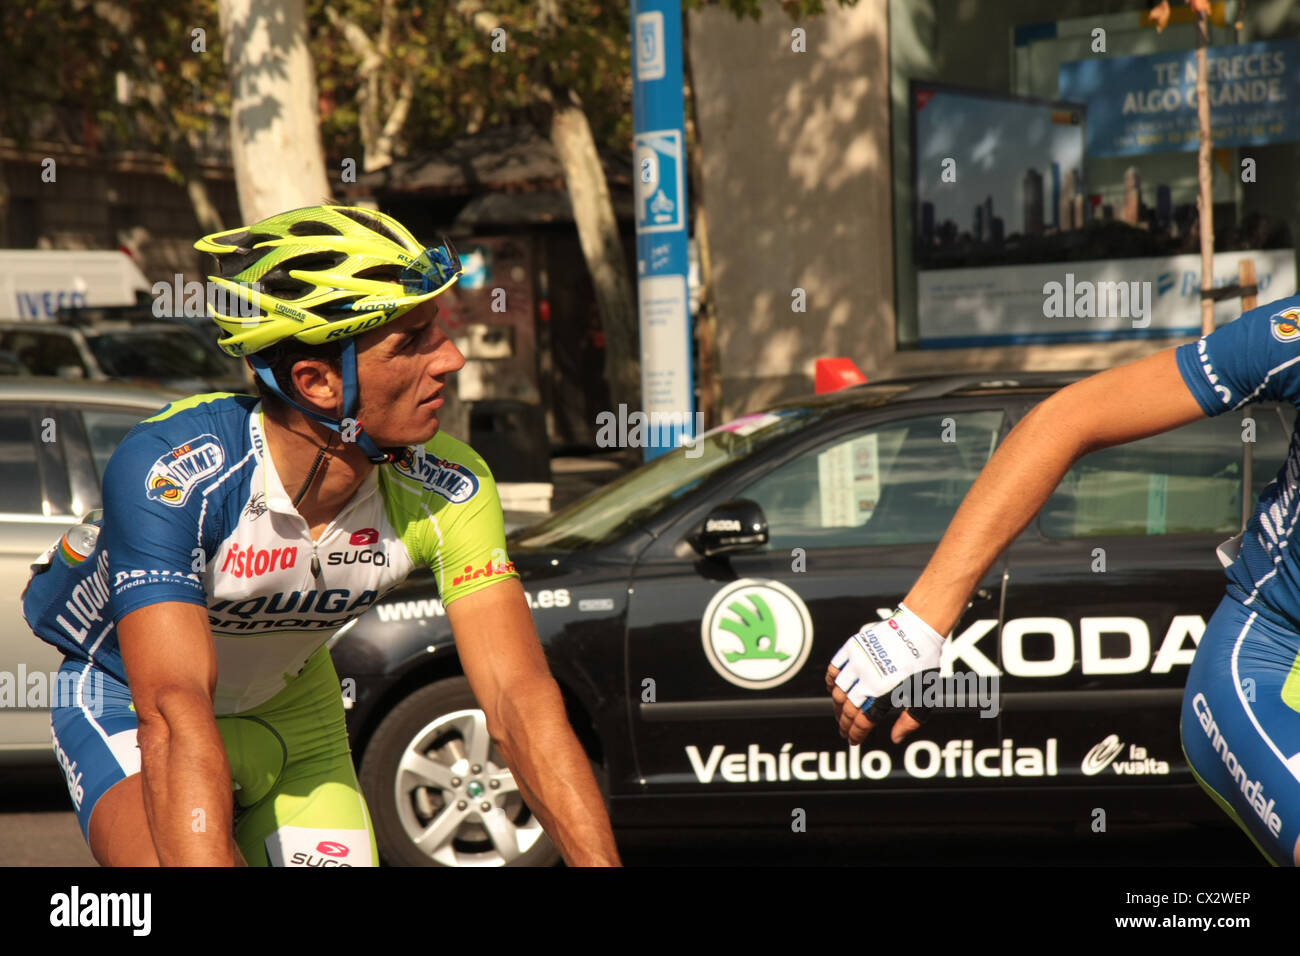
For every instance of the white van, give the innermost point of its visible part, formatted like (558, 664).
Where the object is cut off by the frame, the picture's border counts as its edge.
(36, 283)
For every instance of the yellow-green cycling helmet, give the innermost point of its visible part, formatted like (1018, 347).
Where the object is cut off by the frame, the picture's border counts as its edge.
(321, 274)
(318, 274)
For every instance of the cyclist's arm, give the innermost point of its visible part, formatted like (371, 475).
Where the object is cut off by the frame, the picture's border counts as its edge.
(507, 670)
(172, 668)
(1118, 405)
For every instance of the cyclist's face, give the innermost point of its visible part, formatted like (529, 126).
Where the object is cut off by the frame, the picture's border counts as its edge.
(401, 368)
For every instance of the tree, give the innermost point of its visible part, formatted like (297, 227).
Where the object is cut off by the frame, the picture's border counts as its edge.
(275, 137)
(1204, 170)
(115, 75)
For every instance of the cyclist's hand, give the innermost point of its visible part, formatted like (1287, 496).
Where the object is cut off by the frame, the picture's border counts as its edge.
(872, 663)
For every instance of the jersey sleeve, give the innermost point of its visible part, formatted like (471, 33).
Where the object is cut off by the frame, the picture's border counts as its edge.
(456, 527)
(153, 513)
(1255, 358)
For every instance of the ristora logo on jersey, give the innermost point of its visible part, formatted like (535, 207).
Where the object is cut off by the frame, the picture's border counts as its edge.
(450, 479)
(176, 474)
(253, 562)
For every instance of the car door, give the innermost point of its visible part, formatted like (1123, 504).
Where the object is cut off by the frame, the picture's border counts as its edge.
(54, 456)
(1106, 602)
(735, 649)
(37, 504)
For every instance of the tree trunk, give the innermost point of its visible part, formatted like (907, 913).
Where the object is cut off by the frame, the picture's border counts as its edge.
(275, 140)
(1204, 172)
(602, 245)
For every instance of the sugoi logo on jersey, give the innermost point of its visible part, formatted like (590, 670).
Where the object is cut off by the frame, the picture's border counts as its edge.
(331, 848)
(1285, 325)
(251, 562)
(489, 569)
(364, 537)
(450, 479)
(176, 474)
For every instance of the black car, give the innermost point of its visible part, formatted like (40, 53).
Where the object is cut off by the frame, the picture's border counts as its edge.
(690, 608)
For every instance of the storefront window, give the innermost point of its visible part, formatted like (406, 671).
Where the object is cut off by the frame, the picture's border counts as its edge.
(1045, 171)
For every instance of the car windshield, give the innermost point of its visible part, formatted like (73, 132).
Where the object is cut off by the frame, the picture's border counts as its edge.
(159, 354)
(642, 494)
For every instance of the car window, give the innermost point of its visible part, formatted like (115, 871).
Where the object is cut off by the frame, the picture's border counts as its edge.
(157, 354)
(20, 482)
(1185, 481)
(898, 483)
(105, 431)
(43, 353)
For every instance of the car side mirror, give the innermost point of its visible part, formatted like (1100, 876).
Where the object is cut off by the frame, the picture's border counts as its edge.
(732, 526)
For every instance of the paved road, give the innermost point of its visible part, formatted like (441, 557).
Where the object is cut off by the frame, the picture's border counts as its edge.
(37, 830)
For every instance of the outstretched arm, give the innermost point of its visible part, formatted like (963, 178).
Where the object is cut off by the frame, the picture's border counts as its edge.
(1122, 404)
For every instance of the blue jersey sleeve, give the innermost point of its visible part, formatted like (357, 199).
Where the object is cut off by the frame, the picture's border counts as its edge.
(1255, 358)
(154, 515)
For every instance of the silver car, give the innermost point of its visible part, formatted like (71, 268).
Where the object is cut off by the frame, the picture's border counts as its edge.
(56, 436)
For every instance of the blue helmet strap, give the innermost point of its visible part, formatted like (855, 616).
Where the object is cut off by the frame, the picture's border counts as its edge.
(351, 399)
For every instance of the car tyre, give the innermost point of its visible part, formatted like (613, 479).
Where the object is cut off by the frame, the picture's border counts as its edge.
(426, 798)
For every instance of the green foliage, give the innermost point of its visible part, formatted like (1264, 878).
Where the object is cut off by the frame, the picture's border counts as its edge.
(63, 57)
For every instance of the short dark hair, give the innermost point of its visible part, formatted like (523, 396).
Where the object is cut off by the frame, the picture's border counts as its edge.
(282, 357)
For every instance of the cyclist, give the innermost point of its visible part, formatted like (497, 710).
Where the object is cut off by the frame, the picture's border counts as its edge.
(239, 534)
(1241, 706)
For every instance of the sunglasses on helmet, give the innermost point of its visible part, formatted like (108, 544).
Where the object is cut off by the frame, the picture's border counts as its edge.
(432, 270)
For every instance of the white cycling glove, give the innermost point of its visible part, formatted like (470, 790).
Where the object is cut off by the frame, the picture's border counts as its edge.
(884, 654)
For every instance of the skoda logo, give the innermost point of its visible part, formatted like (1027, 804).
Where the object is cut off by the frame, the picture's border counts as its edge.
(757, 633)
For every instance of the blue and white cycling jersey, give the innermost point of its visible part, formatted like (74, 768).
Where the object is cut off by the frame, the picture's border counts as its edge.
(195, 512)
(1253, 359)
(1241, 706)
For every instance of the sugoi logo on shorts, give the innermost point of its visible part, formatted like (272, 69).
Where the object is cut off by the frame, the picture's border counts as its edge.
(1285, 325)
(330, 848)
(756, 633)
(250, 562)
(450, 479)
(365, 536)
(176, 474)
(489, 569)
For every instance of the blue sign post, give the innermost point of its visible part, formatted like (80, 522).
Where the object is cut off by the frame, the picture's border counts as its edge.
(667, 388)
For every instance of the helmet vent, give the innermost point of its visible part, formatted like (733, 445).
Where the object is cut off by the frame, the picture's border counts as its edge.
(281, 285)
(313, 227)
(316, 261)
(381, 273)
(370, 222)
